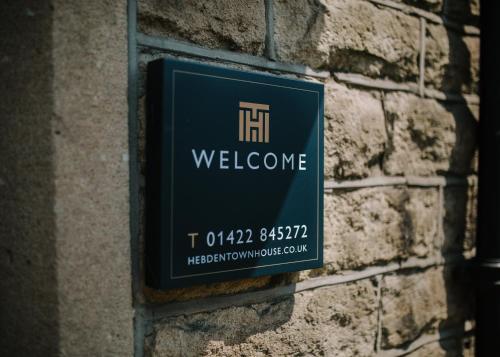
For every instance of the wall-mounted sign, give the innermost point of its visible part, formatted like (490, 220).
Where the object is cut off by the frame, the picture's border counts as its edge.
(234, 174)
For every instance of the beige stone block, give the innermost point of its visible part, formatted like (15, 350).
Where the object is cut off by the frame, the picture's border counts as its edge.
(373, 225)
(355, 134)
(348, 36)
(451, 61)
(475, 7)
(236, 25)
(427, 137)
(425, 302)
(331, 321)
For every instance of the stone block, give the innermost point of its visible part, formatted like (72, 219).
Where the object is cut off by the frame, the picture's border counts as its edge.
(451, 61)
(427, 137)
(232, 25)
(355, 134)
(374, 225)
(64, 180)
(29, 312)
(348, 36)
(459, 218)
(331, 321)
(424, 302)
(91, 177)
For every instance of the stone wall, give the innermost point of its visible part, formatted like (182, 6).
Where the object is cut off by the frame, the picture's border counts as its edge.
(65, 275)
(401, 111)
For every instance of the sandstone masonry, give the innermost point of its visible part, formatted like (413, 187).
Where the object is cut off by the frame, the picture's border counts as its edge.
(401, 114)
(400, 178)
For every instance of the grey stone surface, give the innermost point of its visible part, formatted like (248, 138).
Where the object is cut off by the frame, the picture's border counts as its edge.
(452, 61)
(236, 25)
(64, 236)
(355, 134)
(375, 225)
(427, 137)
(332, 321)
(91, 177)
(348, 36)
(426, 302)
(28, 276)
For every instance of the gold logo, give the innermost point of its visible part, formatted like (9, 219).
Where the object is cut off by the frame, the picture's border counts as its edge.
(254, 122)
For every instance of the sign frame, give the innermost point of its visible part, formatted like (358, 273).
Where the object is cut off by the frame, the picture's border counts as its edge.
(164, 77)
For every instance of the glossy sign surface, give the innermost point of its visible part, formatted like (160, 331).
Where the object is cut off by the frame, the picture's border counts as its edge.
(234, 166)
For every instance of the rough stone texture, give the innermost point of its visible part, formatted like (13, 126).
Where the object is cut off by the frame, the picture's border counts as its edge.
(332, 321)
(451, 61)
(427, 137)
(355, 134)
(426, 302)
(459, 218)
(236, 25)
(28, 295)
(64, 238)
(348, 35)
(65, 258)
(373, 225)
(91, 177)
(446, 348)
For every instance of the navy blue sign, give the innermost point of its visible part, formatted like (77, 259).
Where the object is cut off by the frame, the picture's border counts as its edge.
(234, 181)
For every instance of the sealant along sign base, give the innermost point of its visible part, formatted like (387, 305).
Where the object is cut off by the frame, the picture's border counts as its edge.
(234, 184)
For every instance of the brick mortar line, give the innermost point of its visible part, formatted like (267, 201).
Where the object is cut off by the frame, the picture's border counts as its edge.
(181, 47)
(432, 17)
(270, 44)
(184, 48)
(139, 323)
(388, 85)
(451, 97)
(425, 340)
(411, 181)
(154, 313)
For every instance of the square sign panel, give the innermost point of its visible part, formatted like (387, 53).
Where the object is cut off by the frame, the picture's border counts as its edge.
(234, 185)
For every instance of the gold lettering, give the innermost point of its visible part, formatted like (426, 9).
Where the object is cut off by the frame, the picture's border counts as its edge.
(254, 122)
(193, 237)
